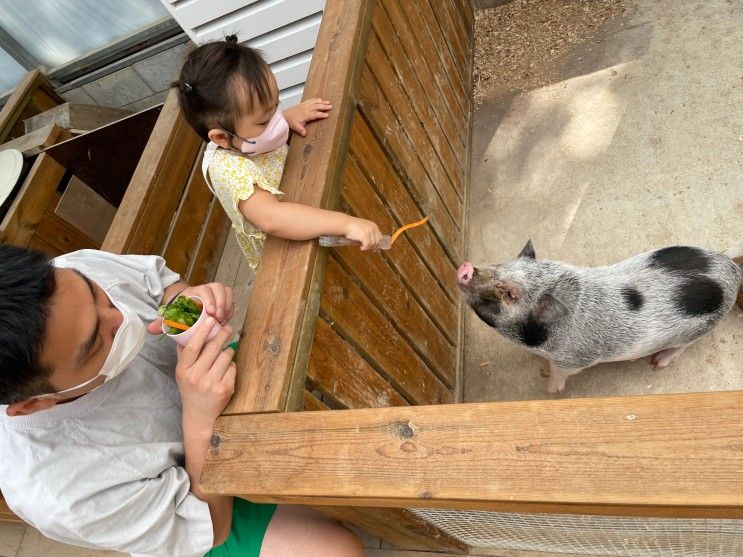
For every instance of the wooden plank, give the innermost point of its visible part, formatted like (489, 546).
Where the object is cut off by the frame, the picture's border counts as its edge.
(661, 455)
(31, 202)
(377, 168)
(75, 116)
(427, 21)
(337, 370)
(453, 39)
(356, 318)
(392, 136)
(85, 210)
(385, 57)
(106, 158)
(35, 142)
(398, 527)
(272, 359)
(152, 195)
(401, 285)
(428, 49)
(19, 100)
(310, 403)
(191, 214)
(410, 61)
(6, 515)
(210, 245)
(60, 234)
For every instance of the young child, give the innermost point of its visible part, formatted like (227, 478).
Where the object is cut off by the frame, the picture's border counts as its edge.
(229, 96)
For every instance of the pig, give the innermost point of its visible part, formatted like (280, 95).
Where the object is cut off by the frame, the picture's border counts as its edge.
(656, 303)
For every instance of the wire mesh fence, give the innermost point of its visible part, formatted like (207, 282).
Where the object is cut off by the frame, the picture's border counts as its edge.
(591, 535)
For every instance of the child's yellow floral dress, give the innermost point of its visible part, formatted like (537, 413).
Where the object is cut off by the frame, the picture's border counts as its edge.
(232, 177)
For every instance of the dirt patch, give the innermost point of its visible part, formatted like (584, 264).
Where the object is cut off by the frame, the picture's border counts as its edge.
(517, 45)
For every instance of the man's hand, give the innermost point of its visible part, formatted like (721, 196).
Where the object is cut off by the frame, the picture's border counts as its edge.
(218, 302)
(298, 116)
(205, 375)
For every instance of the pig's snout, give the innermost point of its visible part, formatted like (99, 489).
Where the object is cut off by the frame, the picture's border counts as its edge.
(465, 273)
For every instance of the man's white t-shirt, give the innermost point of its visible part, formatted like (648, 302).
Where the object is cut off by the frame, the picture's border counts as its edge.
(106, 470)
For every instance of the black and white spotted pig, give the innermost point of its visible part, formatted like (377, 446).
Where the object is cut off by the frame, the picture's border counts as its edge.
(575, 317)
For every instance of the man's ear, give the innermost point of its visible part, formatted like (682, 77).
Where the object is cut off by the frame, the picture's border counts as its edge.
(528, 251)
(220, 138)
(30, 406)
(549, 309)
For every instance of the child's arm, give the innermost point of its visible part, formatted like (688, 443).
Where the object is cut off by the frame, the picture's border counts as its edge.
(295, 221)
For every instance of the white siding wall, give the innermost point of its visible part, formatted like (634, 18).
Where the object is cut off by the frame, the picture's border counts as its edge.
(284, 30)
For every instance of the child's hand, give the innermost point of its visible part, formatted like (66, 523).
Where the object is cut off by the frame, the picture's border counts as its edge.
(364, 231)
(298, 116)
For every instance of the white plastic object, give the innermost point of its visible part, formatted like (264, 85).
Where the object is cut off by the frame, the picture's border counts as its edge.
(11, 166)
(337, 241)
(183, 338)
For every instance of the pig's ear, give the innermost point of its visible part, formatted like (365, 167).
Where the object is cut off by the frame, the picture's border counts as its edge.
(549, 309)
(528, 251)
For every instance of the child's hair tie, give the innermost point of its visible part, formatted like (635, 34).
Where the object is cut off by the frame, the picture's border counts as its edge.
(187, 87)
(232, 39)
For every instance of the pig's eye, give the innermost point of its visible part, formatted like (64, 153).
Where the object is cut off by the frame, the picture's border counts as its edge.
(512, 295)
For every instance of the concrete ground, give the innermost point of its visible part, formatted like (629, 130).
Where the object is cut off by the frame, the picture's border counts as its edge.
(639, 145)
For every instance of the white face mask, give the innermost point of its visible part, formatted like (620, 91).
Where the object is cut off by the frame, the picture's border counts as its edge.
(127, 343)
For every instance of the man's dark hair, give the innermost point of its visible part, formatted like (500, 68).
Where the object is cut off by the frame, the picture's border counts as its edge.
(217, 85)
(27, 284)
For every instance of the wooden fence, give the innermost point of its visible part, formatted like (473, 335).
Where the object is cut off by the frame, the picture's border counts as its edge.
(346, 334)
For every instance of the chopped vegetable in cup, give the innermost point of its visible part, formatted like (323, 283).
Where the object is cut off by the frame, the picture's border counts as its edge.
(180, 314)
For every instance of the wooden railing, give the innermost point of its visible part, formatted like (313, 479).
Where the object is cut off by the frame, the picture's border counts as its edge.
(663, 455)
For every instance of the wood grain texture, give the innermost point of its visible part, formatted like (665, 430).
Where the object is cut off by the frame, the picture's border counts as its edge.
(392, 136)
(400, 284)
(152, 196)
(371, 159)
(30, 204)
(17, 105)
(74, 116)
(415, 74)
(60, 234)
(85, 210)
(423, 139)
(350, 311)
(339, 372)
(272, 359)
(209, 247)
(661, 455)
(35, 142)
(187, 226)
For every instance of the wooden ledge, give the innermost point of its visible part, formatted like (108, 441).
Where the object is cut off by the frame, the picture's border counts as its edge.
(666, 455)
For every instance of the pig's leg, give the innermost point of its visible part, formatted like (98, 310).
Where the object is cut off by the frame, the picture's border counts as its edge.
(558, 376)
(666, 357)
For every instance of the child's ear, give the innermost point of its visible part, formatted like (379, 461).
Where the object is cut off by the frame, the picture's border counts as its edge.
(220, 138)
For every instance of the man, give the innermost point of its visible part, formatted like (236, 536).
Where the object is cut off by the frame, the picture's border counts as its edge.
(104, 426)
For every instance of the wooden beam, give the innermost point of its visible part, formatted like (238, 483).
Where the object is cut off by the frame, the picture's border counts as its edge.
(36, 141)
(28, 207)
(663, 455)
(279, 326)
(79, 118)
(141, 224)
(20, 99)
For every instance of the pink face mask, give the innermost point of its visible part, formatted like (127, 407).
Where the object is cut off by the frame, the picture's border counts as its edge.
(273, 137)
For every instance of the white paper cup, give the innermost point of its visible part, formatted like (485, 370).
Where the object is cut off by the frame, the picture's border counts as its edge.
(183, 338)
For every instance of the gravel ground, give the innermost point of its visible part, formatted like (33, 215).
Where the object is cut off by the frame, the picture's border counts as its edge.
(518, 45)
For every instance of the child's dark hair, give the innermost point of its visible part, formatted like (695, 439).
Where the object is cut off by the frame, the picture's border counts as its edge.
(218, 82)
(27, 284)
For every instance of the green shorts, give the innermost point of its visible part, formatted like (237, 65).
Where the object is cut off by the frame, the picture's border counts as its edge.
(249, 525)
